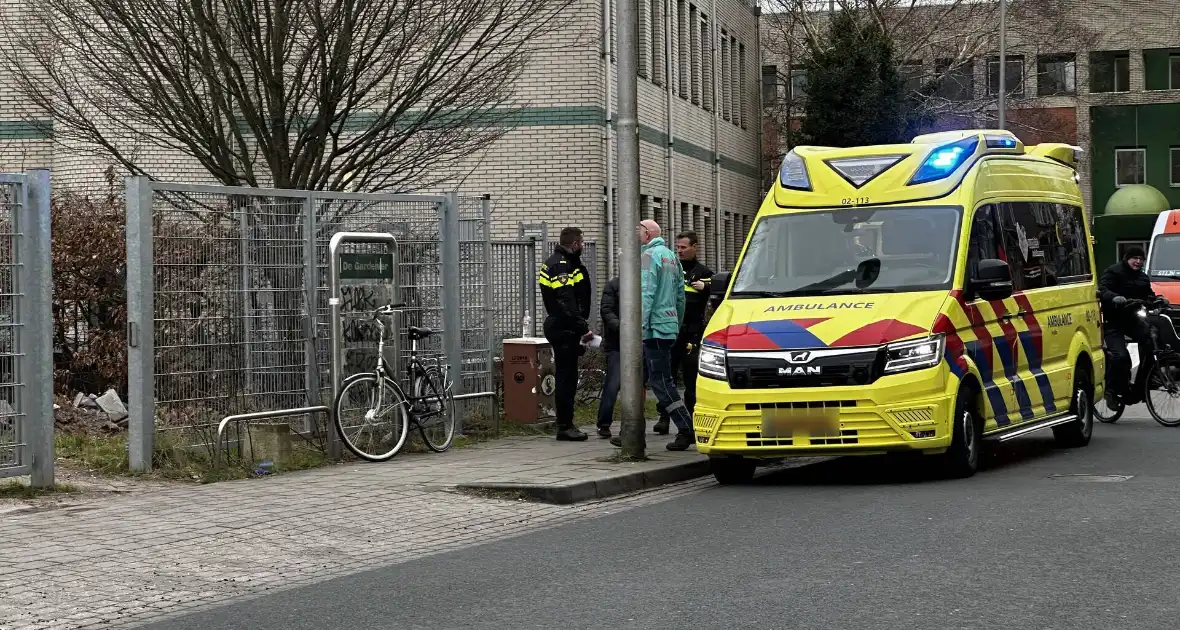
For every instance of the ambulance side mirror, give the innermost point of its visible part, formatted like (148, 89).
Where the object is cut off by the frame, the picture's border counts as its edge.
(992, 280)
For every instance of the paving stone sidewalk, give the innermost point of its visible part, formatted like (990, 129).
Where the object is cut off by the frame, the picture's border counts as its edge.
(133, 558)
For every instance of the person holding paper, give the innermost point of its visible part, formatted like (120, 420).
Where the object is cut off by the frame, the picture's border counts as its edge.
(566, 290)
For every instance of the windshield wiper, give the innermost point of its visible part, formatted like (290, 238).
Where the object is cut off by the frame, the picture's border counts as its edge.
(864, 269)
(761, 294)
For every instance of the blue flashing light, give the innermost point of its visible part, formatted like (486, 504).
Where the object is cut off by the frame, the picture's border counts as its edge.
(793, 173)
(945, 160)
(1000, 142)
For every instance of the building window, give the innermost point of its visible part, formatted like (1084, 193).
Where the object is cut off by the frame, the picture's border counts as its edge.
(657, 42)
(957, 83)
(911, 76)
(694, 28)
(1175, 166)
(642, 43)
(1056, 75)
(1013, 76)
(1130, 167)
(683, 51)
(1110, 71)
(742, 104)
(770, 91)
(1174, 72)
(723, 77)
(798, 84)
(707, 64)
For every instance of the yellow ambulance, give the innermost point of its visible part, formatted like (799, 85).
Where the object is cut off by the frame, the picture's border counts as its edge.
(917, 297)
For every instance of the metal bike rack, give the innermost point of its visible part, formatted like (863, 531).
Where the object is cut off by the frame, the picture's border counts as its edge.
(336, 367)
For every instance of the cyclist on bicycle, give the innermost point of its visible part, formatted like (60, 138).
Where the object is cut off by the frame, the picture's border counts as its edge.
(1121, 282)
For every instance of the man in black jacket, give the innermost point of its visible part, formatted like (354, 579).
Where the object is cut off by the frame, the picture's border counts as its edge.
(609, 309)
(566, 291)
(1122, 282)
(697, 281)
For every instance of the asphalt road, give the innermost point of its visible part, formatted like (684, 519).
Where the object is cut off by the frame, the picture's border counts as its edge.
(849, 543)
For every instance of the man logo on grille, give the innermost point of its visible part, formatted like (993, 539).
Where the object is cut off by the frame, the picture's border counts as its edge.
(798, 357)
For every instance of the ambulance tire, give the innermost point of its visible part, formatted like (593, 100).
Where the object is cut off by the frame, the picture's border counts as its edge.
(732, 471)
(961, 459)
(1077, 433)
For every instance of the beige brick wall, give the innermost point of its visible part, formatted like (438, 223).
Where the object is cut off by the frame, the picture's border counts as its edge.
(557, 172)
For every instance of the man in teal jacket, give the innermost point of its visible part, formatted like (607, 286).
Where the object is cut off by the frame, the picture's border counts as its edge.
(663, 314)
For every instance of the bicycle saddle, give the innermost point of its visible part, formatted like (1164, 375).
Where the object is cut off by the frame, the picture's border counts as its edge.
(419, 333)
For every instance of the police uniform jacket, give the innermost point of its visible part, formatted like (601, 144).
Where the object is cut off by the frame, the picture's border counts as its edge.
(695, 302)
(566, 291)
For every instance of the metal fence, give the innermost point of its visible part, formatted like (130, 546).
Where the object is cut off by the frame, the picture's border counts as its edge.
(26, 356)
(514, 276)
(228, 297)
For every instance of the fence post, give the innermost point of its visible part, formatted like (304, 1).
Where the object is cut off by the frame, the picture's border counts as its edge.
(489, 310)
(451, 297)
(311, 304)
(37, 320)
(141, 375)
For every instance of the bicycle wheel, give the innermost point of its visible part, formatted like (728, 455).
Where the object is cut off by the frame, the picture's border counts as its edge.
(371, 418)
(433, 400)
(1163, 392)
(1107, 414)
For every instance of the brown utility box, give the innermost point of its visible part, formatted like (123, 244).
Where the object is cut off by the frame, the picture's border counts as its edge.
(528, 380)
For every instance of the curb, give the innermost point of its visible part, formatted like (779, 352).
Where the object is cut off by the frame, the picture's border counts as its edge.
(599, 488)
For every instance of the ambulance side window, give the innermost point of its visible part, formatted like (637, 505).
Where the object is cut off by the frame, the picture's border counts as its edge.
(1072, 250)
(1029, 229)
(984, 241)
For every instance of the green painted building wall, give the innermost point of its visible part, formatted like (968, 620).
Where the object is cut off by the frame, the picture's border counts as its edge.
(1155, 128)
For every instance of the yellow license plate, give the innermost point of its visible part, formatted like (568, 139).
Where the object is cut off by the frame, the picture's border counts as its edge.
(793, 422)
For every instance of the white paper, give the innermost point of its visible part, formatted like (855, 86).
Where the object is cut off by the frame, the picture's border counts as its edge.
(594, 342)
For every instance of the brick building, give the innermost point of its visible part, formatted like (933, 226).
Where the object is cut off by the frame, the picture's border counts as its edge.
(1103, 75)
(699, 130)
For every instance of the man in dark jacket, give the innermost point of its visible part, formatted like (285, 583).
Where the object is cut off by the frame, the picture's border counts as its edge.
(609, 309)
(566, 291)
(1121, 282)
(697, 283)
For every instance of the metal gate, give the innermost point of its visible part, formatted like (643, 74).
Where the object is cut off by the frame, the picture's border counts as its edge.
(228, 307)
(26, 328)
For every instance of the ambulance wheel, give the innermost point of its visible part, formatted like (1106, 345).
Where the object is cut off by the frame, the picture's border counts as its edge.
(732, 471)
(961, 459)
(1077, 433)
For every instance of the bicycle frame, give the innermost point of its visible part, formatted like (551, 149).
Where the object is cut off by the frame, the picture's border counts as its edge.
(414, 367)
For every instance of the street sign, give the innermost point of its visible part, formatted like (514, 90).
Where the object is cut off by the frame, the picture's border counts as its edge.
(367, 267)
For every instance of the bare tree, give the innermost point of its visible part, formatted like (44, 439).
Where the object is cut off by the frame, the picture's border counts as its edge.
(938, 43)
(375, 95)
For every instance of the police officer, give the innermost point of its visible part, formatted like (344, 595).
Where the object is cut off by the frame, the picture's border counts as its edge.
(566, 290)
(697, 282)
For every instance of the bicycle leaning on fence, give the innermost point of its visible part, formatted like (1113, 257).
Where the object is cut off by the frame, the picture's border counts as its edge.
(386, 415)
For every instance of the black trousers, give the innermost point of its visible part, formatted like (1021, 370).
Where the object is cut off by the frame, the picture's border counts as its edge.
(1118, 366)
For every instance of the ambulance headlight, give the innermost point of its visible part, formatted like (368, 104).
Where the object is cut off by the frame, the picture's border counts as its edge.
(793, 172)
(914, 354)
(711, 362)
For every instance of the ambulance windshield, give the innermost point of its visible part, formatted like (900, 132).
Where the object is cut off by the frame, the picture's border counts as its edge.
(861, 250)
(1164, 263)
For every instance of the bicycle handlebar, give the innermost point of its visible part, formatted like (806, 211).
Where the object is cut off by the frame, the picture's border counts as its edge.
(387, 309)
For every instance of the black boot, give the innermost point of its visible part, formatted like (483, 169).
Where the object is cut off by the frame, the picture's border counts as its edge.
(661, 427)
(682, 442)
(604, 432)
(617, 441)
(570, 434)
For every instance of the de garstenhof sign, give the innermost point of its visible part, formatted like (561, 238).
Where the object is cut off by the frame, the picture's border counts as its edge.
(370, 267)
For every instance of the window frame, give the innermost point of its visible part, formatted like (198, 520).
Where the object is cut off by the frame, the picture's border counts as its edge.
(1126, 59)
(949, 81)
(1065, 59)
(1014, 59)
(1173, 71)
(1119, 249)
(1117, 152)
(1173, 167)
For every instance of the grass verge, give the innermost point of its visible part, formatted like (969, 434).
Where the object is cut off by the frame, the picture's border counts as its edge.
(20, 490)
